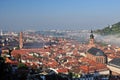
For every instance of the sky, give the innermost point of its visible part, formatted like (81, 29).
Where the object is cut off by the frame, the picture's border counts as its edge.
(58, 14)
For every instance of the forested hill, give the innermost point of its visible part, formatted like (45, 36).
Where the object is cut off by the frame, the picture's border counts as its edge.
(110, 30)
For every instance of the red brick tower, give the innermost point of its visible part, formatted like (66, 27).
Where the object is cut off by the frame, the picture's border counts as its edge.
(21, 40)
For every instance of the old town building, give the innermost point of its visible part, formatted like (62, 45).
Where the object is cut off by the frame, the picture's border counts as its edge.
(96, 55)
(114, 66)
(92, 40)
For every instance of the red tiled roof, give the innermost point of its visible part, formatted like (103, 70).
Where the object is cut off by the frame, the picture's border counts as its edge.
(62, 70)
(10, 61)
(91, 65)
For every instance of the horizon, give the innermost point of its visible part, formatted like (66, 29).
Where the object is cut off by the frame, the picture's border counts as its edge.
(58, 14)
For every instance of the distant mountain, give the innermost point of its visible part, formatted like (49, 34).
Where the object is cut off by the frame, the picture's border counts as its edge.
(110, 29)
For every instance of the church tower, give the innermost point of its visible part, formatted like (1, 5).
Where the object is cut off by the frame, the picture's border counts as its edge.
(21, 40)
(92, 40)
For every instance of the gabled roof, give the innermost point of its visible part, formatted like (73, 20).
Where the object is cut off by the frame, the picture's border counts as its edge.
(96, 52)
(115, 62)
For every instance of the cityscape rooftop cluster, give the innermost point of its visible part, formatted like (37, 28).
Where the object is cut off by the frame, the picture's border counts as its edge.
(59, 55)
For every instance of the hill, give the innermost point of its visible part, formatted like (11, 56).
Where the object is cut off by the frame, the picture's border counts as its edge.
(110, 30)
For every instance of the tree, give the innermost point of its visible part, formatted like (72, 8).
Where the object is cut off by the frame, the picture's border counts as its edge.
(114, 29)
(22, 66)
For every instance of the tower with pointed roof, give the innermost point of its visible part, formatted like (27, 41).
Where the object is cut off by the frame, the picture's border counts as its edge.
(92, 40)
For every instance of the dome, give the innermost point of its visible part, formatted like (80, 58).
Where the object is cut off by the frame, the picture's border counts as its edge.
(91, 36)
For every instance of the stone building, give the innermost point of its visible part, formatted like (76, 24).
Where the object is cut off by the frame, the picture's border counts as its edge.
(114, 66)
(96, 55)
(92, 40)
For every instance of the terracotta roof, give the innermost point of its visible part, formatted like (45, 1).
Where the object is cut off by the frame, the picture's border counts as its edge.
(10, 61)
(91, 66)
(62, 70)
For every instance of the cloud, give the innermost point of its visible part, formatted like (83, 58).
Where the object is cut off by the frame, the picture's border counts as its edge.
(109, 39)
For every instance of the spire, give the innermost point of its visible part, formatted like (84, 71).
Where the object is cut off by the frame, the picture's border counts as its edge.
(91, 41)
(91, 35)
(91, 31)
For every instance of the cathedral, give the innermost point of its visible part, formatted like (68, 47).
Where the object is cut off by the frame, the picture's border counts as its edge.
(94, 53)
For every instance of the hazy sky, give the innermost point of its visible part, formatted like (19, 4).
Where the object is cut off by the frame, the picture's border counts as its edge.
(58, 14)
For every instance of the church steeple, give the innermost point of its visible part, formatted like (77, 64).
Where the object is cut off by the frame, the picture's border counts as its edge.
(91, 35)
(91, 41)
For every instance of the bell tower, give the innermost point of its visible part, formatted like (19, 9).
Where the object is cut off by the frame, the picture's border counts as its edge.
(91, 40)
(21, 40)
